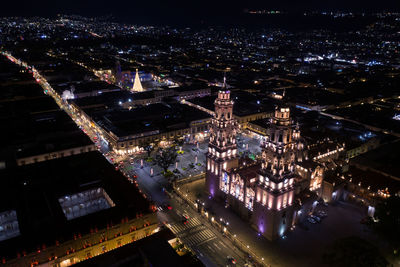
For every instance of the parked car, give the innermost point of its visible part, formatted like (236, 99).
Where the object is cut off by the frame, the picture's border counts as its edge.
(311, 220)
(316, 218)
(322, 213)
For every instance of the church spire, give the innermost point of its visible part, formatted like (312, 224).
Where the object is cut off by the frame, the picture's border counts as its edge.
(137, 85)
(222, 148)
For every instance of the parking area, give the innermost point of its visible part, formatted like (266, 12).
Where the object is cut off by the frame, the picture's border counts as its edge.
(308, 241)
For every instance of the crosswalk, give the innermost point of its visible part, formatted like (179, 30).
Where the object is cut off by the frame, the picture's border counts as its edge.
(180, 227)
(199, 238)
(193, 232)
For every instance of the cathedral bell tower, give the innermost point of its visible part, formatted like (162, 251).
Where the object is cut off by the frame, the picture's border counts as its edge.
(222, 152)
(275, 189)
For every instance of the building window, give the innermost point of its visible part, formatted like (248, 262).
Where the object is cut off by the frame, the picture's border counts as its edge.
(224, 183)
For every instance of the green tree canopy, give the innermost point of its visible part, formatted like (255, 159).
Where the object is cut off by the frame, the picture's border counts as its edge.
(166, 157)
(148, 146)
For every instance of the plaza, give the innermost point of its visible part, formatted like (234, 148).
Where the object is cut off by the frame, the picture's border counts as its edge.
(303, 246)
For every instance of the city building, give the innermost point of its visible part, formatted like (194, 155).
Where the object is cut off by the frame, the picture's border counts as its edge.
(158, 250)
(268, 193)
(82, 89)
(125, 131)
(68, 210)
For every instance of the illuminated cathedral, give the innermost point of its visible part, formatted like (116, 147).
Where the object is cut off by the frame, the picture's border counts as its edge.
(266, 192)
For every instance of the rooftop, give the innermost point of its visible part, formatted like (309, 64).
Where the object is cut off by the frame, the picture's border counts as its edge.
(41, 133)
(155, 117)
(153, 250)
(384, 159)
(86, 87)
(375, 181)
(33, 191)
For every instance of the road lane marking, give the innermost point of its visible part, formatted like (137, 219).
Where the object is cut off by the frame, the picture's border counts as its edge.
(223, 244)
(217, 246)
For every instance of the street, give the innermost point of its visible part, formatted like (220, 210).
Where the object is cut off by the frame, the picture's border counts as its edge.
(208, 242)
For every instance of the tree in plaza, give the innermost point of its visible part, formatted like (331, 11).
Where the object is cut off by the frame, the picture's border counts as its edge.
(149, 147)
(387, 222)
(165, 158)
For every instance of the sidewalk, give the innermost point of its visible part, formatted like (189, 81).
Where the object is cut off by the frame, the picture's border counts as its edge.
(270, 251)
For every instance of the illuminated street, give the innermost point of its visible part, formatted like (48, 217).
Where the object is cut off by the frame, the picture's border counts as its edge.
(216, 134)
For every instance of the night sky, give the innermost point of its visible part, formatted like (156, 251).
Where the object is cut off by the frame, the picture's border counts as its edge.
(176, 11)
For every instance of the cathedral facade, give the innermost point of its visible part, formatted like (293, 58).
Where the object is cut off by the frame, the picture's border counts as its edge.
(264, 192)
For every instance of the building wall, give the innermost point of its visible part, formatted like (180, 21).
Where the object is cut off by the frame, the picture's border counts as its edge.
(83, 247)
(95, 92)
(130, 144)
(272, 223)
(239, 207)
(193, 93)
(212, 183)
(257, 129)
(55, 155)
(244, 120)
(364, 148)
